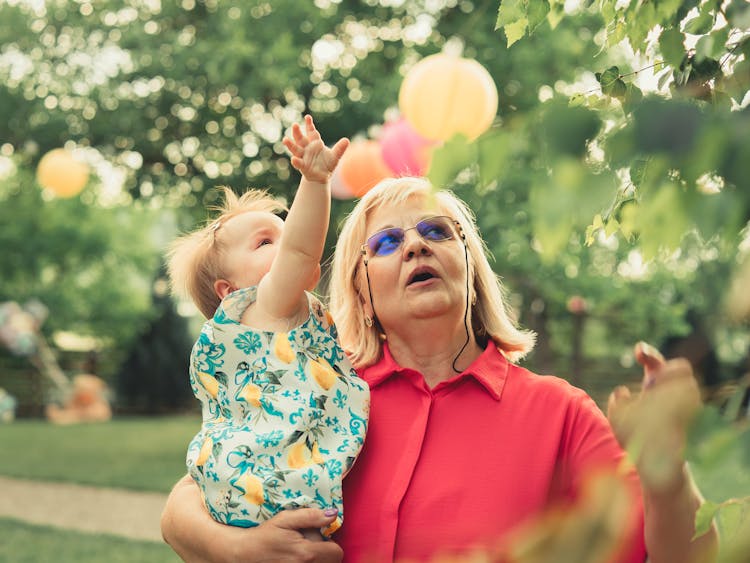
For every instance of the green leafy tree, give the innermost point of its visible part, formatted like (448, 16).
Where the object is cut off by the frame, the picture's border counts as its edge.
(84, 264)
(154, 376)
(185, 96)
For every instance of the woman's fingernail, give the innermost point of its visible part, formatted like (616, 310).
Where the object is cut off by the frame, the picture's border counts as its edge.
(331, 511)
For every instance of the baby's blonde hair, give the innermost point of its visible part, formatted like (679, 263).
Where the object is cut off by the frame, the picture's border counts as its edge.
(492, 317)
(194, 260)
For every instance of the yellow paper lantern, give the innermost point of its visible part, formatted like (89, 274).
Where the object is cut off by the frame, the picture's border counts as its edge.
(59, 172)
(444, 95)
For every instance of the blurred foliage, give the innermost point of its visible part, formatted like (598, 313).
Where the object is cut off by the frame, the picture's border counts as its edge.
(679, 160)
(152, 379)
(84, 263)
(169, 100)
(577, 180)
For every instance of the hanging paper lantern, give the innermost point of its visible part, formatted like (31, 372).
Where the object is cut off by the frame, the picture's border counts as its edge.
(405, 151)
(339, 190)
(444, 95)
(59, 172)
(362, 167)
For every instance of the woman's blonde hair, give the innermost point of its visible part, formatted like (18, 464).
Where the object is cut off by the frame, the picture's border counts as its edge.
(491, 317)
(194, 260)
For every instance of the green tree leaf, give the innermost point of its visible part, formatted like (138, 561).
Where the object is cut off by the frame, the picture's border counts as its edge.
(704, 517)
(516, 30)
(556, 12)
(513, 18)
(712, 45)
(567, 130)
(536, 14)
(495, 152)
(662, 220)
(738, 14)
(612, 83)
(640, 26)
(668, 127)
(672, 46)
(700, 24)
(447, 161)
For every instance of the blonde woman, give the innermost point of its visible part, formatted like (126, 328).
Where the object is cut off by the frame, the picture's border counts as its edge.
(463, 445)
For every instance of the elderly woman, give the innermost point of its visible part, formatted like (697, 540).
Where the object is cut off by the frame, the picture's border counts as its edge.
(463, 445)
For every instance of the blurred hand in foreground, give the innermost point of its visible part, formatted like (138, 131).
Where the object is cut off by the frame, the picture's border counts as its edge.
(590, 531)
(652, 424)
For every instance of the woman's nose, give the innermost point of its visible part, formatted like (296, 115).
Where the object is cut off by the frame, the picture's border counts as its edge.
(415, 245)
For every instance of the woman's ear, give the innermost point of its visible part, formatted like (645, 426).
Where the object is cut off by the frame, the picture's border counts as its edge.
(366, 306)
(222, 288)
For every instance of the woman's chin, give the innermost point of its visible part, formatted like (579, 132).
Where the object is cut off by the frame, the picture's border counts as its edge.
(426, 306)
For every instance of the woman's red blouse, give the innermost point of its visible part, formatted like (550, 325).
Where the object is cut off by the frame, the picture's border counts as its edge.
(459, 466)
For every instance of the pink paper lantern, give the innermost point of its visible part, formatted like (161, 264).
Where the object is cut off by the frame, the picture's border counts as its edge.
(404, 150)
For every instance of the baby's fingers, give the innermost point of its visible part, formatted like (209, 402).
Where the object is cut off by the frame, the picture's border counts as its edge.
(295, 149)
(297, 135)
(312, 132)
(338, 150)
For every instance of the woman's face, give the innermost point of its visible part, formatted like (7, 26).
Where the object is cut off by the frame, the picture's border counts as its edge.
(421, 279)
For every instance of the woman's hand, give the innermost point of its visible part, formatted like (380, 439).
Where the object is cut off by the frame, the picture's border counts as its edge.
(196, 537)
(653, 425)
(310, 156)
(292, 535)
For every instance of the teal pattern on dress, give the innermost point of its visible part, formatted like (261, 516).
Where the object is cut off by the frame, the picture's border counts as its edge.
(284, 415)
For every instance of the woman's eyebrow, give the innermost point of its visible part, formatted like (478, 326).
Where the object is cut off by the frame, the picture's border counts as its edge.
(419, 219)
(384, 227)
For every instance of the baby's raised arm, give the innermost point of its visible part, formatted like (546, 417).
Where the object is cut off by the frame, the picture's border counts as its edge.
(297, 264)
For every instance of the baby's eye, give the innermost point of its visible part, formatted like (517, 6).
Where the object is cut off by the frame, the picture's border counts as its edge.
(264, 242)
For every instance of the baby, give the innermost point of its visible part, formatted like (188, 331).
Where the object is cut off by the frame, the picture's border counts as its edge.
(284, 413)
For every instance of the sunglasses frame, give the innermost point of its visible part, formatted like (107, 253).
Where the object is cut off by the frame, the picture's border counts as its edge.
(364, 248)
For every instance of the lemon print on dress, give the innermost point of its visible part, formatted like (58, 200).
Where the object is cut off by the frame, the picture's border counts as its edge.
(251, 393)
(323, 373)
(331, 528)
(209, 383)
(282, 349)
(253, 488)
(205, 451)
(300, 455)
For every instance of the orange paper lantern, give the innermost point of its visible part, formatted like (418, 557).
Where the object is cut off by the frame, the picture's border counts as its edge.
(339, 190)
(444, 95)
(362, 167)
(59, 172)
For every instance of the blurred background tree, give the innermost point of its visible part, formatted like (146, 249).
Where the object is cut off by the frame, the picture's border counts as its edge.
(152, 378)
(583, 187)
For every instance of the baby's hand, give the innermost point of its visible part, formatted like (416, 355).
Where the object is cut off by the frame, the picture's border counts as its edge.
(315, 161)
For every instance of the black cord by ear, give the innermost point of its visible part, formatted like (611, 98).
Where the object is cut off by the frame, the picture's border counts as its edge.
(369, 290)
(466, 308)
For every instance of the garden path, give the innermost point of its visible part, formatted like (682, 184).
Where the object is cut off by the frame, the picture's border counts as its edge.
(131, 514)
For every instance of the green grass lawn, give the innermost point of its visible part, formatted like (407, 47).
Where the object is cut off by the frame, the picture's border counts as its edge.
(146, 454)
(26, 543)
